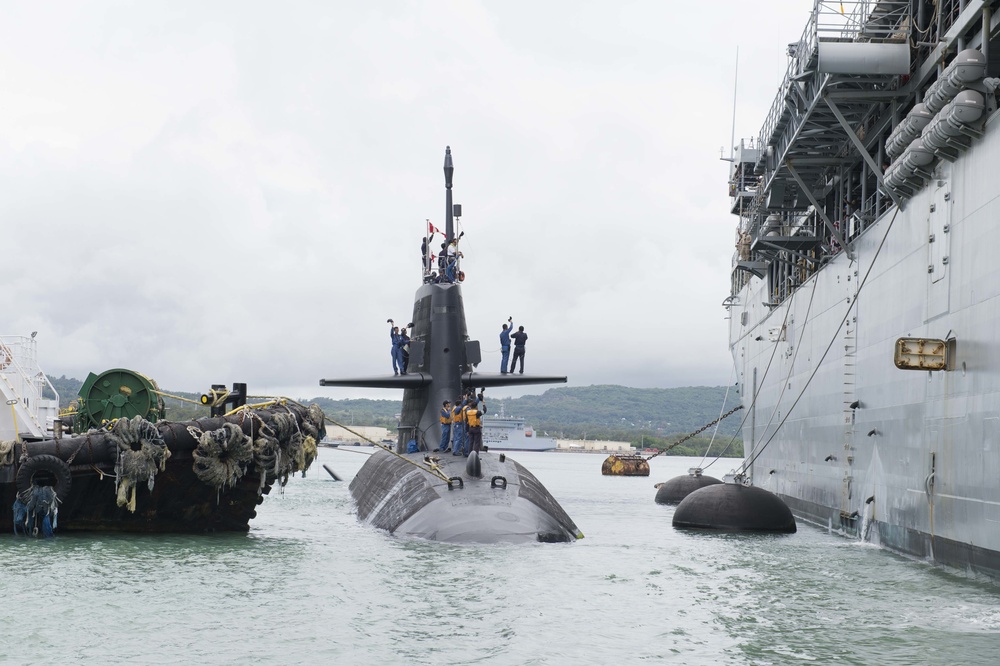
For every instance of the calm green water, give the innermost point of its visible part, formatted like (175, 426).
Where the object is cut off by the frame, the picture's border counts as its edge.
(309, 585)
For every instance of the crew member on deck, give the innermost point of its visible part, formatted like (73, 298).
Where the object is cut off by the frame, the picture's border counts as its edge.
(466, 408)
(454, 259)
(505, 344)
(453, 256)
(519, 339)
(472, 416)
(443, 259)
(445, 417)
(457, 435)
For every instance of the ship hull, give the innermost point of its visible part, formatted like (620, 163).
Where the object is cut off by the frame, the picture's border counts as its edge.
(505, 433)
(181, 497)
(904, 458)
(502, 503)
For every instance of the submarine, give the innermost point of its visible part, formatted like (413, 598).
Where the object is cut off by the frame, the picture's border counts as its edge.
(484, 498)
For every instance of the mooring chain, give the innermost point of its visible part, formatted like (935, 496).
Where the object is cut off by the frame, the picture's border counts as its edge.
(696, 432)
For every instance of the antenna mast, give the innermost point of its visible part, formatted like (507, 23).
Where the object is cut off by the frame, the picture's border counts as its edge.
(449, 169)
(736, 78)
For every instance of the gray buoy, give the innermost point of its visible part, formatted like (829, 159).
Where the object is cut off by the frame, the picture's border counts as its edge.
(679, 487)
(473, 466)
(734, 507)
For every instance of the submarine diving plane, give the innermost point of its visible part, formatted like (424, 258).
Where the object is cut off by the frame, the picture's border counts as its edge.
(485, 498)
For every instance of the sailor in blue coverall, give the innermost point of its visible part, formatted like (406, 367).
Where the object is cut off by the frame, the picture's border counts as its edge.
(505, 344)
(445, 426)
(397, 349)
(457, 431)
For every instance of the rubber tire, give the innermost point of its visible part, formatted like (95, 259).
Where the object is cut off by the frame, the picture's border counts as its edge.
(49, 463)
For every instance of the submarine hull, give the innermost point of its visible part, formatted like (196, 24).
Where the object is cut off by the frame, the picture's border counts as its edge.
(505, 504)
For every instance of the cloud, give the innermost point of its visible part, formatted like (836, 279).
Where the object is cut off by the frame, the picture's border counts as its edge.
(233, 192)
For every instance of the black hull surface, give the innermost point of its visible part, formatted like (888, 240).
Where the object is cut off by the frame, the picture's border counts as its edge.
(180, 501)
(504, 503)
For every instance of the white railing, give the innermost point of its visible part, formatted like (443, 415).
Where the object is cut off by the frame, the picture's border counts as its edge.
(23, 385)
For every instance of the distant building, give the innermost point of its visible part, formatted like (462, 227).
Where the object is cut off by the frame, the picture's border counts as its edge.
(593, 445)
(374, 433)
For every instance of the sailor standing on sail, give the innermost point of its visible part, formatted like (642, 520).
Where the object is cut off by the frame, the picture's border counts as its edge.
(396, 351)
(404, 351)
(451, 270)
(445, 417)
(519, 339)
(505, 344)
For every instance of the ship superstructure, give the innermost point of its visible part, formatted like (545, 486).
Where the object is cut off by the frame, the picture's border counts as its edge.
(509, 433)
(864, 311)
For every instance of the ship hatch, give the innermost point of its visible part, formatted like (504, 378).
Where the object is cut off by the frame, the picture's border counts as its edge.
(921, 354)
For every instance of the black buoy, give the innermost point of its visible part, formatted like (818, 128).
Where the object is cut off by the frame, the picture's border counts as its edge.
(331, 473)
(733, 507)
(679, 487)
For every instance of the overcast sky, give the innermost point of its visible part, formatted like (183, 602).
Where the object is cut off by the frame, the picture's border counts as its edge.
(220, 192)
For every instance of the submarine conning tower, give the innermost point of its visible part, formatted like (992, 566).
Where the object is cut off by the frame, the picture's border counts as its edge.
(442, 357)
(441, 351)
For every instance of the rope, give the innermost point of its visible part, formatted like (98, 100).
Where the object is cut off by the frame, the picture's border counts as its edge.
(177, 397)
(747, 463)
(350, 450)
(34, 503)
(699, 430)
(222, 455)
(753, 402)
(760, 384)
(725, 400)
(136, 464)
(430, 469)
(791, 367)
(7, 452)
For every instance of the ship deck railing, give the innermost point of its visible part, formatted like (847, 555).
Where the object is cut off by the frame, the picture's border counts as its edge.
(860, 20)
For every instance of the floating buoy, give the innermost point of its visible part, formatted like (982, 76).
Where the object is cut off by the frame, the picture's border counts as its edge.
(734, 507)
(331, 473)
(679, 487)
(630, 465)
(473, 466)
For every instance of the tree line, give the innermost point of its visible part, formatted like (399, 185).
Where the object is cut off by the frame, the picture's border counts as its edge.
(647, 418)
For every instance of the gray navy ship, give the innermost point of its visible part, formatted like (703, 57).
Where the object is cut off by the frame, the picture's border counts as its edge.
(864, 314)
(486, 497)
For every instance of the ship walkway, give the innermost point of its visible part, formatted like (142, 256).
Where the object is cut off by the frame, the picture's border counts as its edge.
(812, 180)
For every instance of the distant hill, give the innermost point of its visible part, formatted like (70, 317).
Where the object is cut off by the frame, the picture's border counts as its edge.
(617, 409)
(651, 417)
